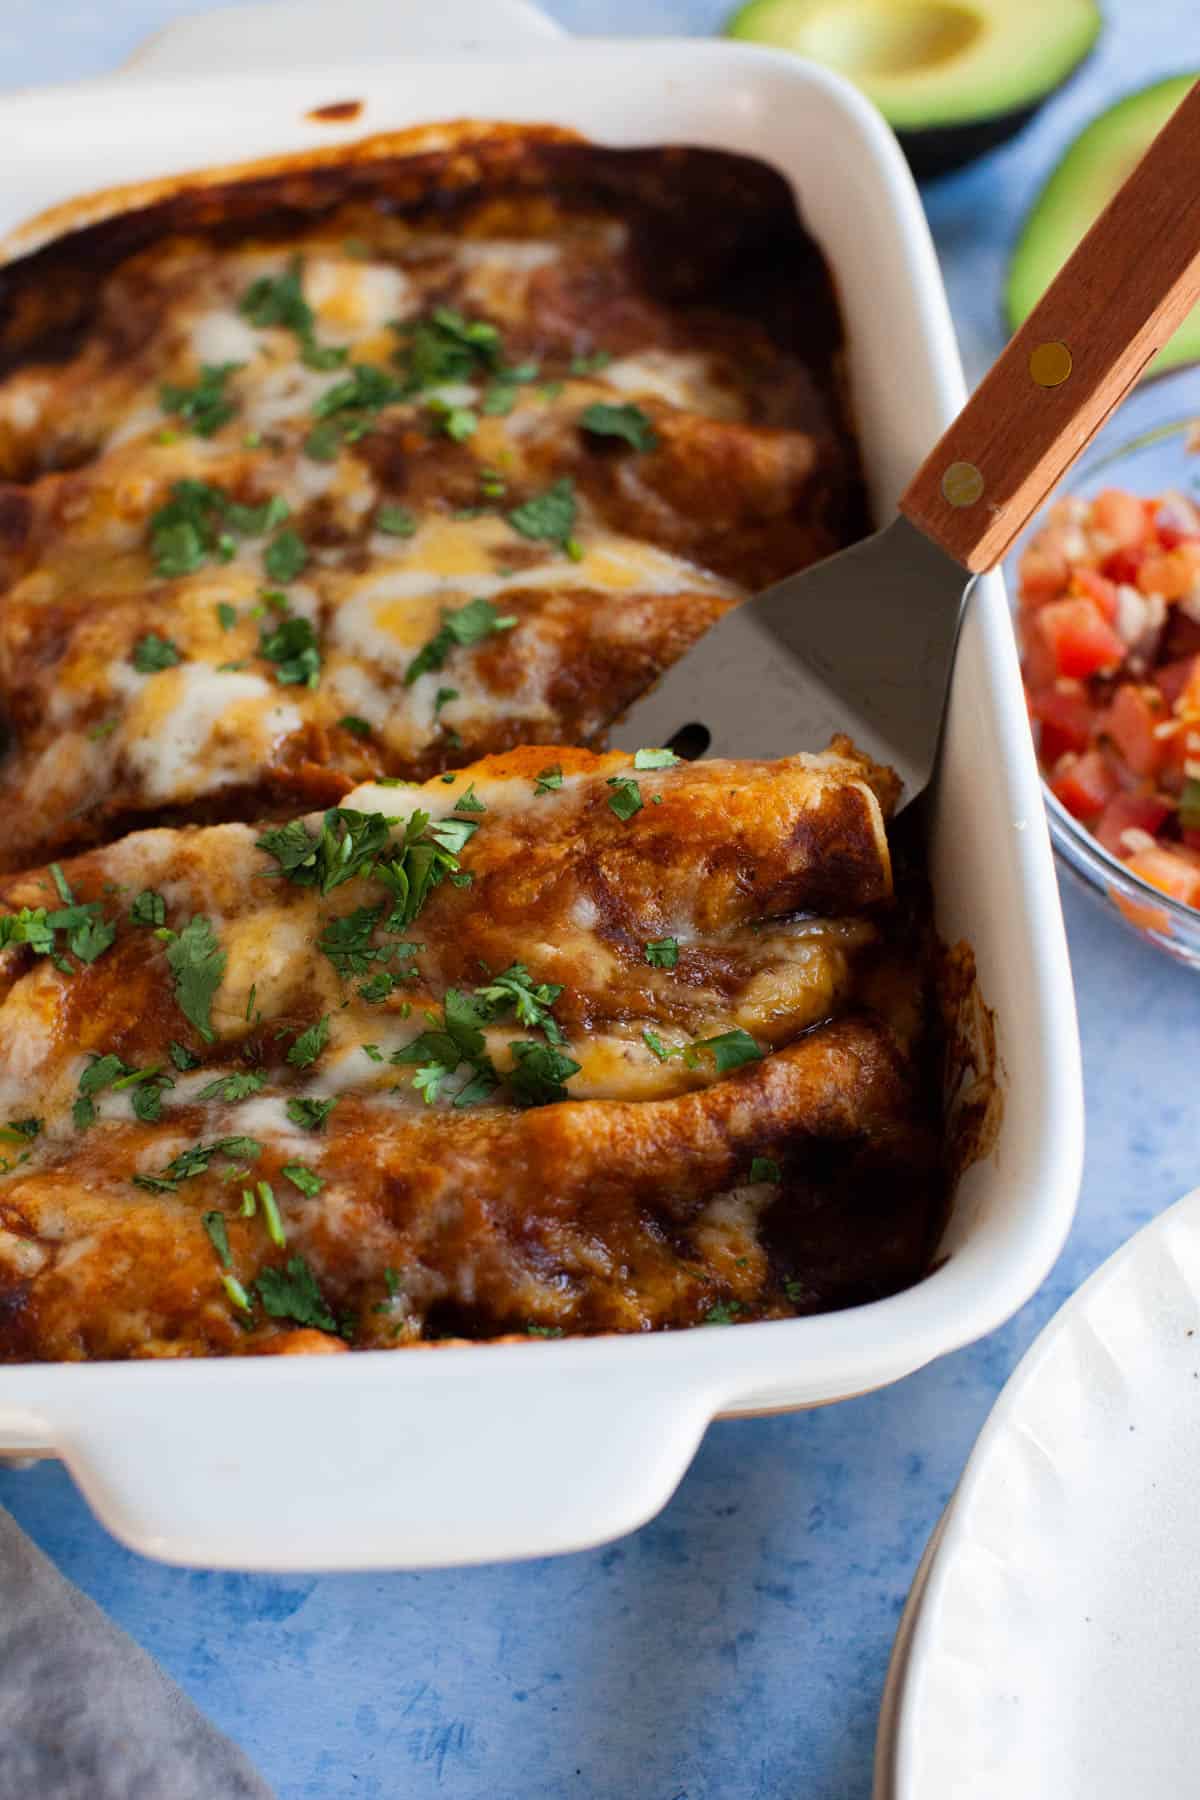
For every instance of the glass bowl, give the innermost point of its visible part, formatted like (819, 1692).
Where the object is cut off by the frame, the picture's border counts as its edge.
(1142, 448)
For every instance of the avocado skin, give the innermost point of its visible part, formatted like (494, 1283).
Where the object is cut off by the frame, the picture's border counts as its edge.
(940, 149)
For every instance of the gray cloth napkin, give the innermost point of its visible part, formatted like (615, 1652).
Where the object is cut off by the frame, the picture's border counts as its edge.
(84, 1713)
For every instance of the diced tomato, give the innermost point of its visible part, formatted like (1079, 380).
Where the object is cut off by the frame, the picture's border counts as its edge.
(1123, 565)
(1172, 536)
(1095, 587)
(1045, 572)
(1174, 677)
(1066, 719)
(1086, 786)
(1173, 872)
(1121, 517)
(1171, 573)
(1130, 723)
(1081, 643)
(1130, 812)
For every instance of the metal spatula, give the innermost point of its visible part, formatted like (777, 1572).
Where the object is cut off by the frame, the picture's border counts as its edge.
(864, 643)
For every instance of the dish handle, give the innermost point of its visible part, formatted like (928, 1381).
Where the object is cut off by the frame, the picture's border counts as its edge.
(403, 1460)
(297, 34)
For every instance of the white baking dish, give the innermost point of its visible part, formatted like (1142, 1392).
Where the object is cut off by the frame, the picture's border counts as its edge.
(381, 1460)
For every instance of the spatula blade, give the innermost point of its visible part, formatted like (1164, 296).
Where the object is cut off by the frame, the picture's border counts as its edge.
(862, 643)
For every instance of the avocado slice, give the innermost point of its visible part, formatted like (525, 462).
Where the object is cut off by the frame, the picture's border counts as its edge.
(1080, 188)
(952, 77)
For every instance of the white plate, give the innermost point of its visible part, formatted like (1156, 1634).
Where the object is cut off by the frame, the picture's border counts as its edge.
(1054, 1652)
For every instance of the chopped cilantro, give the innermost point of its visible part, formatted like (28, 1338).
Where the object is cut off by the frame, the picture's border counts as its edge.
(765, 1168)
(237, 1086)
(197, 962)
(148, 908)
(346, 940)
(310, 1113)
(654, 759)
(195, 1160)
(657, 1048)
(237, 1293)
(205, 406)
(724, 1313)
(218, 1236)
(464, 625)
(279, 300)
(309, 1045)
(196, 522)
(226, 615)
(292, 646)
(152, 653)
(61, 885)
(470, 801)
(104, 729)
(379, 987)
(446, 348)
(182, 1057)
(544, 1331)
(629, 423)
(359, 728)
(515, 989)
(730, 1050)
(538, 1073)
(591, 365)
(626, 797)
(285, 556)
(304, 1178)
(548, 780)
(549, 516)
(372, 1052)
(91, 936)
(293, 1293)
(348, 846)
(19, 1131)
(499, 398)
(662, 953)
(395, 521)
(324, 441)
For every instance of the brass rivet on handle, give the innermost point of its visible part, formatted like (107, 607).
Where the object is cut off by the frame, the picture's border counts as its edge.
(962, 484)
(1050, 364)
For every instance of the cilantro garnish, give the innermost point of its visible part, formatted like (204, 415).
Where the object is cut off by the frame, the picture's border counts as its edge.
(88, 934)
(304, 1178)
(654, 759)
(148, 908)
(458, 423)
(152, 653)
(470, 801)
(345, 412)
(270, 1206)
(724, 1313)
(346, 941)
(359, 728)
(590, 365)
(285, 556)
(237, 1293)
(548, 780)
(197, 523)
(292, 646)
(549, 516)
(629, 423)
(19, 1131)
(238, 1086)
(544, 1331)
(446, 348)
(379, 987)
(292, 1293)
(218, 1236)
(226, 615)
(395, 521)
(765, 1168)
(729, 1050)
(309, 1045)
(662, 953)
(204, 406)
(309, 1112)
(348, 845)
(279, 300)
(464, 625)
(515, 988)
(195, 1160)
(626, 797)
(197, 962)
(538, 1073)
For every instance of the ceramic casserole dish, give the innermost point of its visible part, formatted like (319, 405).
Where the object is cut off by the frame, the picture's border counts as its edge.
(476, 1453)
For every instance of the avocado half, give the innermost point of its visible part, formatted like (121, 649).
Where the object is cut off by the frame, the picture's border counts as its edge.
(1080, 188)
(952, 77)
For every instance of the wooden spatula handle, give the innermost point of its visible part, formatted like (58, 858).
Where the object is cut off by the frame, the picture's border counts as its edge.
(1111, 307)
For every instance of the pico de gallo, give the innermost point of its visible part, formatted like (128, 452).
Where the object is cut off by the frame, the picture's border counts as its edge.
(1109, 626)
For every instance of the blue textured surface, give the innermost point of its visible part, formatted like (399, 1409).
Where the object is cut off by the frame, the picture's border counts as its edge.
(737, 1645)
